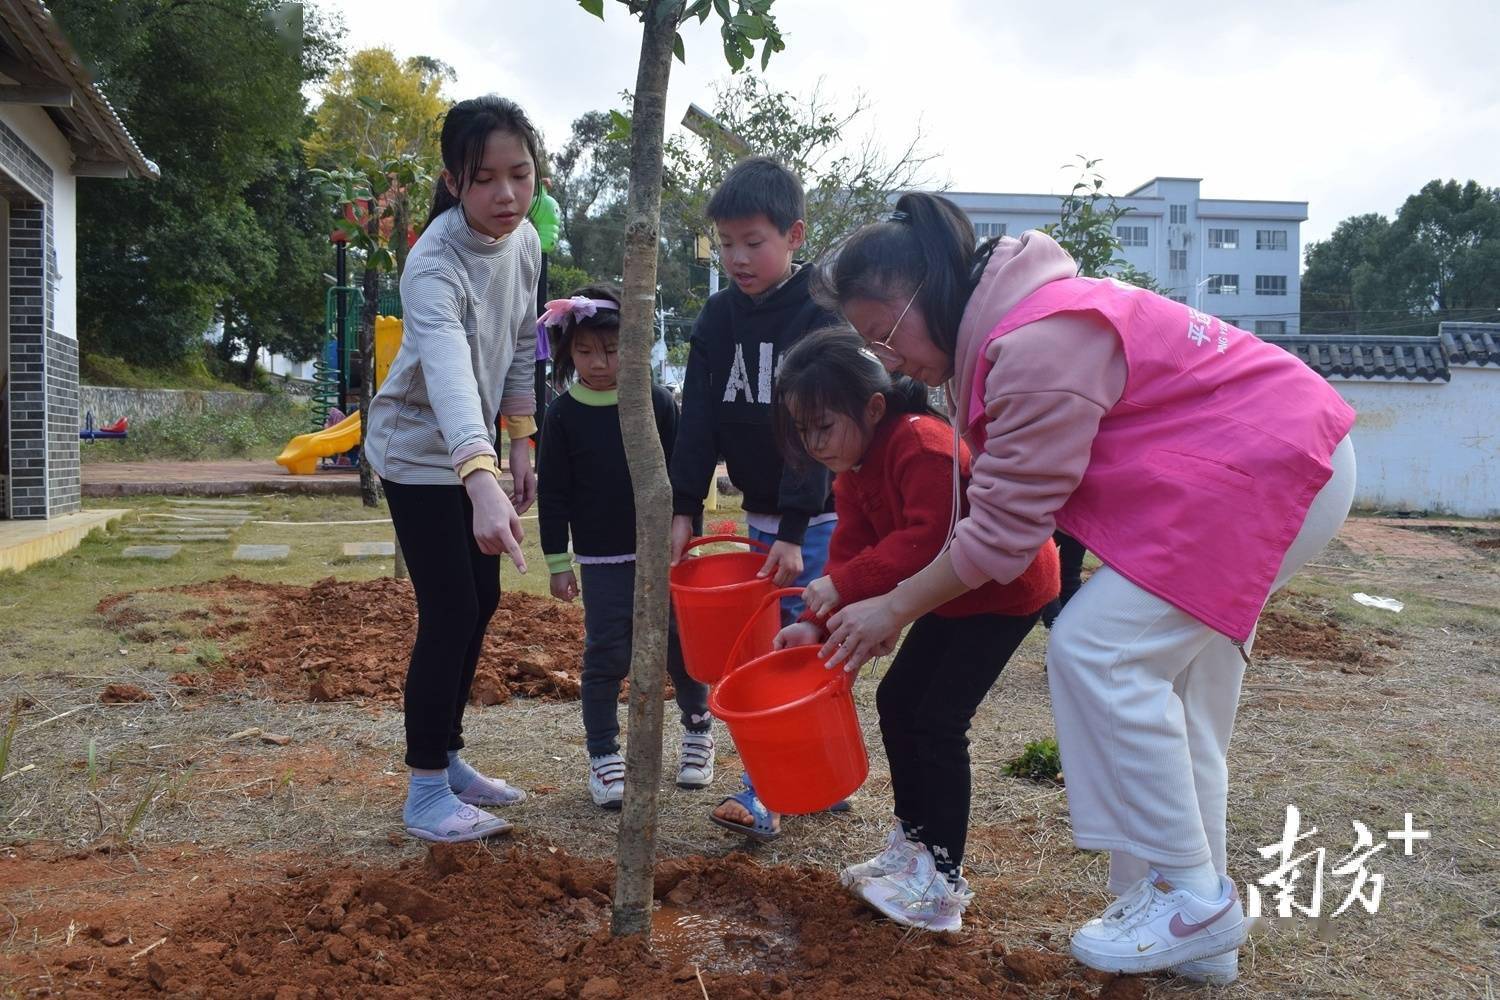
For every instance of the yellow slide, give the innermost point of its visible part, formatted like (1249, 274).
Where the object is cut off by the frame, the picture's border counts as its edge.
(301, 454)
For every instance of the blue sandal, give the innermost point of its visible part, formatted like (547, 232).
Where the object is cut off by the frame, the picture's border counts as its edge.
(763, 830)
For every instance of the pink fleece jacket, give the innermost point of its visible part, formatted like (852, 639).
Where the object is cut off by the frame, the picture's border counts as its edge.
(1044, 404)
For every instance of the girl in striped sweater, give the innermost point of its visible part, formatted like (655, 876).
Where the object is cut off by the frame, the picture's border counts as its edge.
(893, 461)
(468, 292)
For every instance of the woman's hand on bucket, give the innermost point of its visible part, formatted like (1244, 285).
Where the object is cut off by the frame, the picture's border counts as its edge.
(860, 633)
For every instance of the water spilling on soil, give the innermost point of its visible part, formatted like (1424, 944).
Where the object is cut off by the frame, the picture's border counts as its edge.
(712, 942)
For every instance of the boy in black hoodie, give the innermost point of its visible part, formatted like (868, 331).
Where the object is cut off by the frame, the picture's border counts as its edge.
(736, 346)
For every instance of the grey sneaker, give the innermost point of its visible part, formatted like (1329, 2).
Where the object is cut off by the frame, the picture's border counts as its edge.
(695, 760)
(897, 854)
(607, 780)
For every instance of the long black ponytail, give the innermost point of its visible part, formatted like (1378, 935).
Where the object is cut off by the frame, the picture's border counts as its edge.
(832, 369)
(466, 128)
(928, 242)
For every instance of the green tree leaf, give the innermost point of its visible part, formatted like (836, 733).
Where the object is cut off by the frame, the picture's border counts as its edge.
(595, 7)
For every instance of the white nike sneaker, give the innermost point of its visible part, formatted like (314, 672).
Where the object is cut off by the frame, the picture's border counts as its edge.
(695, 760)
(607, 780)
(897, 854)
(917, 895)
(1155, 926)
(1217, 971)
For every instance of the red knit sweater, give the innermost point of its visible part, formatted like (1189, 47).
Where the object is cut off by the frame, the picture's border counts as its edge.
(894, 513)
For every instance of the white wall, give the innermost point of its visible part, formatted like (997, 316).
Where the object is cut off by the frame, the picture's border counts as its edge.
(1428, 445)
(33, 125)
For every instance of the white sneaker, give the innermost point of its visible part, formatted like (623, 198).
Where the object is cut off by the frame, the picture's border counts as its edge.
(917, 895)
(897, 854)
(1156, 926)
(607, 780)
(1217, 971)
(695, 760)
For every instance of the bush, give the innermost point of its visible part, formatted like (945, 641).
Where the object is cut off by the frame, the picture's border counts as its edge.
(251, 433)
(1039, 761)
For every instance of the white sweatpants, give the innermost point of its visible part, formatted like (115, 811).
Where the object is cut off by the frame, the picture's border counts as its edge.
(1144, 698)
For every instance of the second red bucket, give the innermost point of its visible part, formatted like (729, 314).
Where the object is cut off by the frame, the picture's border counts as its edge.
(794, 723)
(716, 597)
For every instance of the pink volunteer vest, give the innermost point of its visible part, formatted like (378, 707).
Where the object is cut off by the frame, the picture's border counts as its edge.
(1201, 475)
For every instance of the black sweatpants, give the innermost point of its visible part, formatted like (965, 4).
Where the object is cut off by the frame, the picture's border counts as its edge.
(927, 700)
(458, 589)
(608, 608)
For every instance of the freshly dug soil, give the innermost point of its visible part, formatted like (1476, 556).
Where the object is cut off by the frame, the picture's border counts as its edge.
(525, 922)
(339, 640)
(1297, 637)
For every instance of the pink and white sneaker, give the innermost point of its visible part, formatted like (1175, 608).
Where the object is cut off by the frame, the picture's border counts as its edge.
(897, 855)
(918, 895)
(1156, 926)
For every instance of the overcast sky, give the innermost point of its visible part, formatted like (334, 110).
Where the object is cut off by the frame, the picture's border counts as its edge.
(1350, 106)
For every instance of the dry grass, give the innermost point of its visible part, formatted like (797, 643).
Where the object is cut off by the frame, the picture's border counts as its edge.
(1419, 736)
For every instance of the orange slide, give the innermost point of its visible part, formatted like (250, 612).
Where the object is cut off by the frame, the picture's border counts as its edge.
(301, 454)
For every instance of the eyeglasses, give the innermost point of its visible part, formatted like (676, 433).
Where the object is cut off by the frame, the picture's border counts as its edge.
(887, 355)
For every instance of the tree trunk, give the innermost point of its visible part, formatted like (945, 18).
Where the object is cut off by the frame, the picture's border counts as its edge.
(252, 348)
(369, 491)
(636, 850)
(403, 224)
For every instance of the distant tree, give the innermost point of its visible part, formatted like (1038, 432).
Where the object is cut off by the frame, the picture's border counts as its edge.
(849, 177)
(214, 95)
(279, 305)
(377, 106)
(1349, 258)
(1439, 260)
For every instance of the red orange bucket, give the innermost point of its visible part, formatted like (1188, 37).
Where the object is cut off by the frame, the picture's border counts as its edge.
(794, 723)
(717, 597)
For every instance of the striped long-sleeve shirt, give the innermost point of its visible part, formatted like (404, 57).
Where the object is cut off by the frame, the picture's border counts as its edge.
(467, 353)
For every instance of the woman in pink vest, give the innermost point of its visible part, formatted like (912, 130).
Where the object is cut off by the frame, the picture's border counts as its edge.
(1202, 466)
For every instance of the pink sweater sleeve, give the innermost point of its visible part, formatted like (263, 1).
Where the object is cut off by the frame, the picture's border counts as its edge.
(1053, 381)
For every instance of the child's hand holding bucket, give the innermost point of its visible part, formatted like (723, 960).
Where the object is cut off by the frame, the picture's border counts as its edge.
(821, 597)
(797, 634)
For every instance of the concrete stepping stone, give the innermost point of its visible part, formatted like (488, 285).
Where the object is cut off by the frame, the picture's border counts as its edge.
(261, 553)
(369, 550)
(199, 514)
(224, 504)
(174, 529)
(157, 552)
(221, 537)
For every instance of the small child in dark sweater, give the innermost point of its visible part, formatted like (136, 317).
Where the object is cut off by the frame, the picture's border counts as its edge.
(584, 488)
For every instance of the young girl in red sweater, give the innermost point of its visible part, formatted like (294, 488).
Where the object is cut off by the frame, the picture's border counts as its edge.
(893, 491)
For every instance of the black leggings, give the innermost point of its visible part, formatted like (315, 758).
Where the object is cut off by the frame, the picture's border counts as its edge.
(1070, 553)
(458, 589)
(926, 701)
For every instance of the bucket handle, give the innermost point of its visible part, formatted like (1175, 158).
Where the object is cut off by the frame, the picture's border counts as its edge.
(712, 539)
(775, 595)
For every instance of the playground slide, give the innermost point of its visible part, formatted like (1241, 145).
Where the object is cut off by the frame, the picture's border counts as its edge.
(301, 454)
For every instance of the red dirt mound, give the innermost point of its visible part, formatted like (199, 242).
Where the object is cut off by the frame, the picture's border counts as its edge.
(341, 640)
(526, 923)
